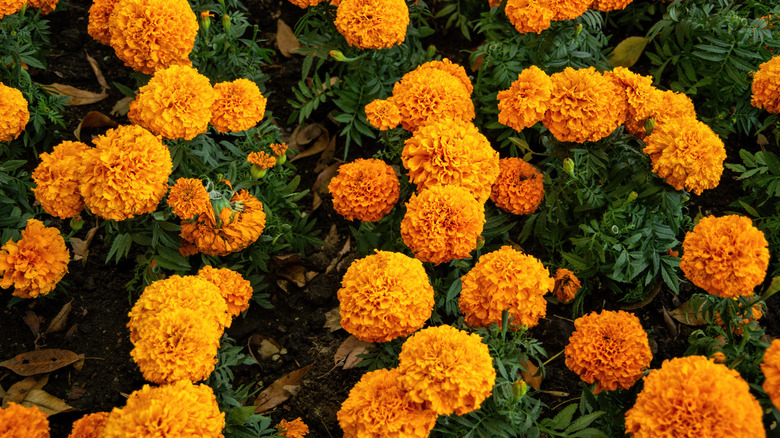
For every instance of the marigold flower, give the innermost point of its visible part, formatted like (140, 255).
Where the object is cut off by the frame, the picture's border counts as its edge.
(766, 86)
(365, 189)
(719, 357)
(17, 421)
(519, 188)
(149, 35)
(505, 280)
(236, 290)
(36, 263)
(525, 102)
(610, 5)
(450, 67)
(584, 106)
(239, 105)
(725, 256)
(57, 181)
(372, 24)
(126, 174)
(383, 114)
(189, 198)
(293, 429)
(89, 426)
(771, 369)
(569, 9)
(668, 105)
(448, 369)
(639, 94)
(306, 3)
(279, 149)
(609, 348)
(14, 114)
(261, 159)
(179, 409)
(694, 396)
(46, 6)
(176, 103)
(99, 14)
(442, 223)
(529, 15)
(566, 285)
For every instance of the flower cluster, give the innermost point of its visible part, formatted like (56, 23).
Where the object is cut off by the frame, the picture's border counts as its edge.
(505, 280)
(57, 180)
(372, 24)
(14, 114)
(454, 153)
(771, 369)
(694, 396)
(537, 15)
(89, 426)
(238, 106)
(385, 296)
(609, 348)
(566, 285)
(235, 289)
(17, 421)
(525, 102)
(292, 429)
(519, 188)
(188, 198)
(383, 114)
(36, 263)
(725, 256)
(766, 87)
(365, 189)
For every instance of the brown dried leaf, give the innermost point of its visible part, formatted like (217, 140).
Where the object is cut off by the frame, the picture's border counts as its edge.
(347, 354)
(40, 361)
(286, 259)
(94, 119)
(332, 238)
(285, 39)
(81, 247)
(98, 74)
(294, 273)
(19, 390)
(264, 346)
(2, 391)
(333, 319)
(121, 107)
(77, 97)
(671, 326)
(327, 156)
(530, 376)
(34, 322)
(58, 323)
(316, 202)
(76, 392)
(323, 179)
(279, 391)
(690, 312)
(71, 332)
(46, 402)
(308, 135)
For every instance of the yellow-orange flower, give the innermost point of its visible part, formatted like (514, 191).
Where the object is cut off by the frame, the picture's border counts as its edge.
(695, 397)
(383, 114)
(176, 103)
(566, 285)
(448, 369)
(261, 159)
(569, 9)
(372, 24)
(189, 198)
(529, 15)
(36, 263)
(505, 280)
(17, 421)
(726, 256)
(8, 7)
(46, 6)
(293, 429)
(279, 149)
(640, 97)
(450, 67)
(766, 86)
(306, 3)
(236, 290)
(525, 102)
(385, 296)
(14, 114)
(442, 223)
(126, 174)
(609, 348)
(584, 106)
(669, 105)
(176, 410)
(365, 189)
(238, 106)
(519, 188)
(771, 369)
(610, 5)
(149, 35)
(89, 426)
(99, 14)
(377, 407)
(56, 180)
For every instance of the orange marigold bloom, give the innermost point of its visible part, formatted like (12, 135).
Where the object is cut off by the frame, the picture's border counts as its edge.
(448, 369)
(17, 421)
(519, 188)
(525, 102)
(442, 223)
(293, 429)
(279, 149)
(687, 153)
(306, 3)
(383, 114)
(14, 114)
(505, 280)
(451, 152)
(494, 3)
(569, 9)
(385, 296)
(57, 181)
(566, 285)
(236, 290)
(771, 369)
(610, 5)
(639, 94)
(176, 410)
(372, 24)
(46, 6)
(695, 397)
(529, 15)
(719, 357)
(378, 407)
(189, 198)
(261, 159)
(584, 106)
(89, 426)
(36, 263)
(666, 106)
(99, 14)
(8, 7)
(609, 348)
(125, 174)
(239, 105)
(450, 67)
(176, 103)
(766, 86)
(365, 189)
(149, 35)
(725, 256)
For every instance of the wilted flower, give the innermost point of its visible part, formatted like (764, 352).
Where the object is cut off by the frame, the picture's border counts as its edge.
(525, 102)
(99, 15)
(771, 369)
(56, 180)
(365, 189)
(610, 5)
(766, 86)
(519, 188)
(36, 263)
(293, 429)
(693, 396)
(372, 24)
(529, 15)
(14, 114)
(383, 114)
(235, 289)
(238, 106)
(726, 256)
(189, 198)
(566, 285)
(505, 280)
(17, 421)
(89, 426)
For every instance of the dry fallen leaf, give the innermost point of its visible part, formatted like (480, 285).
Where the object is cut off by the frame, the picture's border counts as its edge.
(121, 107)
(690, 312)
(294, 273)
(530, 376)
(34, 322)
(58, 323)
(76, 392)
(98, 74)
(347, 354)
(285, 39)
(308, 135)
(81, 247)
(279, 391)
(46, 402)
(265, 347)
(286, 259)
(324, 177)
(327, 156)
(41, 361)
(671, 326)
(19, 390)
(77, 97)
(333, 319)
(94, 119)
(628, 51)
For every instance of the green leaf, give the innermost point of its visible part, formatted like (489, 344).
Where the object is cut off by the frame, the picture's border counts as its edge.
(752, 211)
(628, 51)
(584, 421)
(563, 419)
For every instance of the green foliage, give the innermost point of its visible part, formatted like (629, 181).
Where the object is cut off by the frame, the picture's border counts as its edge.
(458, 14)
(15, 194)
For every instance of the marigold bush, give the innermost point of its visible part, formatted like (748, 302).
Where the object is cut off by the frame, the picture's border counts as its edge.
(766, 86)
(526, 101)
(238, 106)
(609, 348)
(57, 180)
(383, 114)
(385, 296)
(293, 429)
(99, 15)
(36, 263)
(89, 426)
(235, 289)
(14, 114)
(125, 174)
(519, 188)
(365, 189)
(189, 198)
(17, 421)
(725, 256)
(694, 396)
(566, 285)
(771, 369)
(372, 24)
(378, 407)
(442, 223)
(449, 370)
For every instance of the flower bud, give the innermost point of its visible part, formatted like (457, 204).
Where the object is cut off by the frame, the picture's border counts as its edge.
(257, 172)
(226, 22)
(649, 125)
(281, 159)
(430, 52)
(480, 242)
(568, 166)
(76, 222)
(519, 389)
(337, 55)
(578, 29)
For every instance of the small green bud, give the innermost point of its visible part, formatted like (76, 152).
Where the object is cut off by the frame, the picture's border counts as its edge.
(480, 242)
(226, 22)
(519, 389)
(568, 166)
(257, 172)
(578, 29)
(76, 222)
(337, 55)
(281, 159)
(649, 125)
(205, 20)
(632, 197)
(430, 52)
